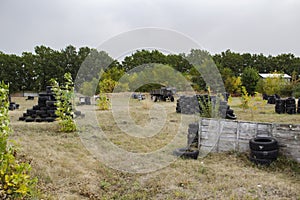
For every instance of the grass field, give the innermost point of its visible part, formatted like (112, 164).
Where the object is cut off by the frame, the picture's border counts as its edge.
(67, 170)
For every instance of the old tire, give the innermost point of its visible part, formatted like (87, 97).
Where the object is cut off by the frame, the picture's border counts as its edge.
(260, 161)
(172, 99)
(186, 153)
(29, 119)
(263, 144)
(269, 155)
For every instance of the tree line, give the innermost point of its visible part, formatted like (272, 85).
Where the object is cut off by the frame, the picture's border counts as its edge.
(33, 71)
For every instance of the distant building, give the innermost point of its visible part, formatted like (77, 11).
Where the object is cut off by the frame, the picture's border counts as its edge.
(286, 77)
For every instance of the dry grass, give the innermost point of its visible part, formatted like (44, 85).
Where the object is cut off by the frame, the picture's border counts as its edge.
(67, 170)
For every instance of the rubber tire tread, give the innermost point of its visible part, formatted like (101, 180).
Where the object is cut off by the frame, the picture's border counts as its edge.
(256, 145)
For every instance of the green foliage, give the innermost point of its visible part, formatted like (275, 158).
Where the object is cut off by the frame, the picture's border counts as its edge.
(15, 182)
(245, 99)
(64, 95)
(249, 79)
(296, 90)
(253, 103)
(89, 88)
(209, 109)
(103, 102)
(231, 82)
(273, 85)
(107, 85)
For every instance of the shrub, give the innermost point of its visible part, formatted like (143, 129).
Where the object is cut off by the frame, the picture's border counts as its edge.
(64, 95)
(252, 103)
(15, 182)
(103, 102)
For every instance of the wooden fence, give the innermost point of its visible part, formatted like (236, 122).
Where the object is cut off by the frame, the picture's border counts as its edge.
(219, 135)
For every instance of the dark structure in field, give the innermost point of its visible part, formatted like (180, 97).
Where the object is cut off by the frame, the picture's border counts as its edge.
(204, 103)
(44, 111)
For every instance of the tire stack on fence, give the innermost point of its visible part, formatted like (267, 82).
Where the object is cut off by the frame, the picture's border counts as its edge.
(280, 106)
(263, 150)
(44, 111)
(290, 105)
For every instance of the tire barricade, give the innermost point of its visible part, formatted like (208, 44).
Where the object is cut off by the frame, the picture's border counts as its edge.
(190, 105)
(287, 106)
(44, 111)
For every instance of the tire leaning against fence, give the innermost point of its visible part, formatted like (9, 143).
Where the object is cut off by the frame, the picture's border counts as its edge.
(186, 153)
(263, 150)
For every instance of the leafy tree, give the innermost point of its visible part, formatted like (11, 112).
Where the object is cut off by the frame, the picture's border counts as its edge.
(143, 57)
(249, 79)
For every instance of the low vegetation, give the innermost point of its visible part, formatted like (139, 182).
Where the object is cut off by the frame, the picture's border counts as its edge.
(15, 180)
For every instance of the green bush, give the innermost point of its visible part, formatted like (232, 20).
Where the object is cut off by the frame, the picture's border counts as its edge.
(64, 95)
(103, 102)
(15, 182)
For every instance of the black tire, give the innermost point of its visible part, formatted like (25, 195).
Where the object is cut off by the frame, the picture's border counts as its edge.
(38, 119)
(29, 119)
(21, 118)
(41, 112)
(50, 104)
(36, 107)
(271, 155)
(263, 144)
(31, 112)
(232, 117)
(186, 153)
(261, 161)
(50, 119)
(154, 98)
(172, 99)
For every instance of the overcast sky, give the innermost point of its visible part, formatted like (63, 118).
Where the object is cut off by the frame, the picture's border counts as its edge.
(254, 26)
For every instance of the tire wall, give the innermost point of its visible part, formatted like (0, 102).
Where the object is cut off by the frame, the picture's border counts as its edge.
(225, 135)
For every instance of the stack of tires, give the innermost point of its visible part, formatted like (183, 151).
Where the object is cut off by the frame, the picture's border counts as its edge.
(263, 150)
(290, 104)
(196, 104)
(191, 151)
(272, 99)
(44, 111)
(280, 106)
(12, 105)
(187, 105)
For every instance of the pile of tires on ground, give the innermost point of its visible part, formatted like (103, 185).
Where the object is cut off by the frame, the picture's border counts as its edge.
(196, 104)
(287, 106)
(44, 111)
(271, 99)
(13, 105)
(191, 151)
(263, 150)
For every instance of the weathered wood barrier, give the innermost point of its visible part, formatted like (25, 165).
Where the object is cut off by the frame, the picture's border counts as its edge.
(219, 135)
